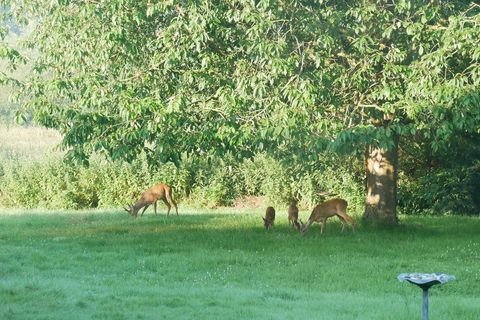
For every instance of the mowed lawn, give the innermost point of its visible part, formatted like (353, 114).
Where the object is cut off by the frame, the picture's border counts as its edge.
(224, 265)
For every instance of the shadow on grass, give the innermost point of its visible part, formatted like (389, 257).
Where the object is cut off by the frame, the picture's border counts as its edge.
(213, 227)
(430, 226)
(232, 251)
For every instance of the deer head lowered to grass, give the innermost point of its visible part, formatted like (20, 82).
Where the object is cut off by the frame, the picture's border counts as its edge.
(269, 219)
(159, 191)
(323, 211)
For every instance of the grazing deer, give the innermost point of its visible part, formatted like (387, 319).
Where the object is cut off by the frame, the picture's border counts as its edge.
(323, 211)
(269, 219)
(152, 195)
(293, 216)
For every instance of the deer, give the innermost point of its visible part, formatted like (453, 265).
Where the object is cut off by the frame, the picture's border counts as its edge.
(269, 219)
(159, 191)
(323, 211)
(293, 216)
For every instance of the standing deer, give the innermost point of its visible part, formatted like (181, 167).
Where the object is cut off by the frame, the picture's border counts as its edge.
(293, 216)
(269, 219)
(152, 195)
(323, 211)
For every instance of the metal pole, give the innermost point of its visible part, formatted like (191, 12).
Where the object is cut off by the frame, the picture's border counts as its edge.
(425, 304)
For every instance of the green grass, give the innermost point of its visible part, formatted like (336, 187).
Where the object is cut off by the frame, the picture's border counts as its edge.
(224, 265)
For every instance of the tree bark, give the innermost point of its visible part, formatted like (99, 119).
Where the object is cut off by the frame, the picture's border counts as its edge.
(381, 184)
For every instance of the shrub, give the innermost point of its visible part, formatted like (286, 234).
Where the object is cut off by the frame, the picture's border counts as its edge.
(445, 191)
(214, 182)
(42, 184)
(282, 182)
(473, 185)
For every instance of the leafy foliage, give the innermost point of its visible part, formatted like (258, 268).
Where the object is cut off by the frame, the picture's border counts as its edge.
(238, 77)
(443, 192)
(55, 184)
(215, 79)
(443, 180)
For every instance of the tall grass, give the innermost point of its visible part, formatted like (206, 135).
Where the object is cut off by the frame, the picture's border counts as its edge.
(218, 265)
(28, 144)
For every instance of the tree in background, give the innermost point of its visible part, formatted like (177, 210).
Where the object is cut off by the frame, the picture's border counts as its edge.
(185, 78)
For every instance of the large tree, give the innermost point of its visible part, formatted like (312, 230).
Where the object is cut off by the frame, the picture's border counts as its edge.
(205, 78)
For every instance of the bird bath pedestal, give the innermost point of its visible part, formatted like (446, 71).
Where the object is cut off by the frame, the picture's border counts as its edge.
(425, 281)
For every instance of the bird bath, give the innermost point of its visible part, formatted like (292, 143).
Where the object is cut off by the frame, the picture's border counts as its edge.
(425, 281)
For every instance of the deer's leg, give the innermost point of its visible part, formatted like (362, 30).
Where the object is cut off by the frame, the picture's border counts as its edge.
(168, 206)
(144, 208)
(323, 222)
(172, 202)
(176, 208)
(155, 207)
(342, 221)
(296, 225)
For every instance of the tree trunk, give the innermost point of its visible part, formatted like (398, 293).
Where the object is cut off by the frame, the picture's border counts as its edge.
(381, 184)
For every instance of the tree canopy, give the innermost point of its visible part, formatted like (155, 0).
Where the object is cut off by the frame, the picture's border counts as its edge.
(293, 78)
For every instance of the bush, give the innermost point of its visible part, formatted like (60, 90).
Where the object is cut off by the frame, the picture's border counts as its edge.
(282, 182)
(53, 184)
(473, 185)
(446, 191)
(36, 185)
(214, 182)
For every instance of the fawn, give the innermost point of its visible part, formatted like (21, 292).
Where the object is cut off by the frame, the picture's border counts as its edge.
(293, 216)
(269, 219)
